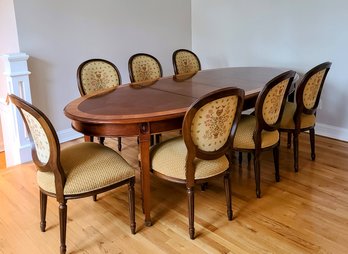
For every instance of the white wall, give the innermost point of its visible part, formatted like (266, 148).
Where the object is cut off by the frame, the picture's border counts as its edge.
(59, 35)
(294, 34)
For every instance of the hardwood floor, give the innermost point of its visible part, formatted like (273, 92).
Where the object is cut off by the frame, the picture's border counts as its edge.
(306, 212)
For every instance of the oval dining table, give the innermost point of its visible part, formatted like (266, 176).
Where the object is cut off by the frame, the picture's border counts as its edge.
(141, 109)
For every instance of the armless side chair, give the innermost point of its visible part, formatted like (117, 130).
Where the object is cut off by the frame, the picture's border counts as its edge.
(78, 171)
(95, 75)
(204, 150)
(301, 115)
(259, 132)
(144, 67)
(185, 61)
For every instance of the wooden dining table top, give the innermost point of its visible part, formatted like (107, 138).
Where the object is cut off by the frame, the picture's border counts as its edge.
(141, 109)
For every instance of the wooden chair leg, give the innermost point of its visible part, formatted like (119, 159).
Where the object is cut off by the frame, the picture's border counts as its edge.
(119, 144)
(43, 209)
(227, 185)
(249, 157)
(240, 158)
(295, 144)
(101, 140)
(204, 186)
(289, 140)
(94, 197)
(191, 213)
(131, 197)
(312, 141)
(62, 222)
(158, 138)
(257, 173)
(276, 162)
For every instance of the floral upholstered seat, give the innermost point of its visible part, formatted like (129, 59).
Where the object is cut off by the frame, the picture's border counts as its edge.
(77, 171)
(204, 149)
(300, 115)
(259, 132)
(185, 61)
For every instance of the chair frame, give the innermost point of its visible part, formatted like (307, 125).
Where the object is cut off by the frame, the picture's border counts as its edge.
(130, 62)
(194, 152)
(175, 62)
(262, 125)
(300, 108)
(53, 165)
(83, 92)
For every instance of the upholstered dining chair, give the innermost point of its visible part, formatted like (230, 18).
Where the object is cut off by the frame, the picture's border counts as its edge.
(145, 67)
(94, 75)
(185, 61)
(77, 171)
(259, 132)
(204, 150)
(300, 116)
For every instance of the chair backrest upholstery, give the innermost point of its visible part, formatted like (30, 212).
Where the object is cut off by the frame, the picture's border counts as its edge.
(271, 101)
(185, 61)
(210, 123)
(144, 67)
(97, 74)
(309, 90)
(44, 139)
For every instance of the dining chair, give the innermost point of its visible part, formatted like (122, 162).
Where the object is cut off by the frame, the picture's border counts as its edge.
(185, 61)
(300, 116)
(259, 132)
(145, 67)
(204, 149)
(78, 171)
(94, 75)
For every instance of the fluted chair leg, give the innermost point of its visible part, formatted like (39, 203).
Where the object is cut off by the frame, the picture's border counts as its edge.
(43, 209)
(191, 211)
(312, 141)
(276, 163)
(62, 221)
(227, 185)
(131, 197)
(257, 174)
(119, 144)
(295, 144)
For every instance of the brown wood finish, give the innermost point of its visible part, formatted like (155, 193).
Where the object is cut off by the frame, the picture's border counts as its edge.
(160, 107)
(301, 109)
(54, 165)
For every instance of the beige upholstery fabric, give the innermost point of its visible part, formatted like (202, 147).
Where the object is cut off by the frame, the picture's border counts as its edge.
(145, 68)
(88, 166)
(169, 158)
(211, 125)
(311, 89)
(39, 136)
(287, 121)
(97, 75)
(273, 102)
(244, 135)
(186, 62)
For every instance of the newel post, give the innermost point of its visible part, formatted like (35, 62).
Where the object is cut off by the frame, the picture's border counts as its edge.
(16, 140)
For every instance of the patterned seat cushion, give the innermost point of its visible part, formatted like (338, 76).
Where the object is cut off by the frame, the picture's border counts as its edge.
(169, 157)
(244, 135)
(287, 121)
(88, 166)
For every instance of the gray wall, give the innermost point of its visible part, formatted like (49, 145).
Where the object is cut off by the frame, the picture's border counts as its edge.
(294, 34)
(59, 35)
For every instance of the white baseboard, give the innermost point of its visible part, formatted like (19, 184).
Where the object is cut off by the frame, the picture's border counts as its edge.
(68, 134)
(331, 131)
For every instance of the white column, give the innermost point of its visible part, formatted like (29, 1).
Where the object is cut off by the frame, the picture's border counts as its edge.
(16, 140)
